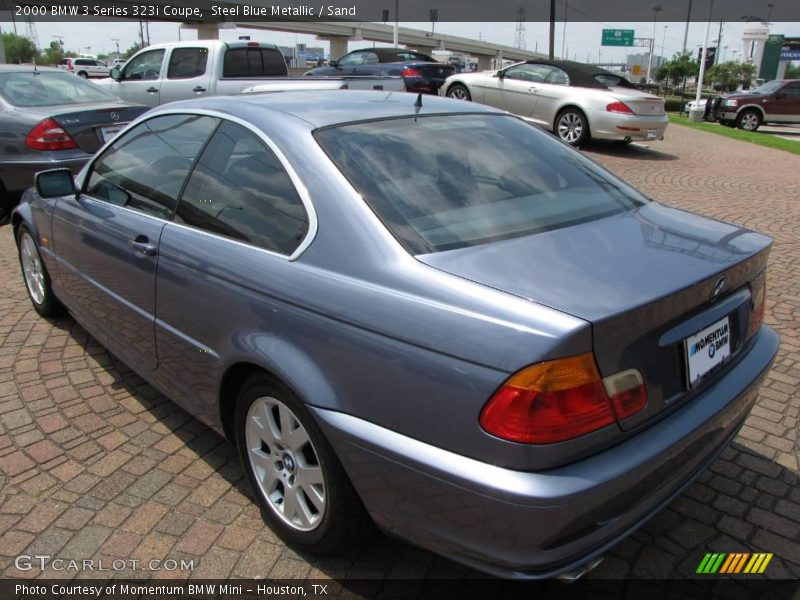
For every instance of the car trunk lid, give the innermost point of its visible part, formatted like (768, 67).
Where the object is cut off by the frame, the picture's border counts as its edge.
(639, 103)
(434, 71)
(91, 126)
(645, 279)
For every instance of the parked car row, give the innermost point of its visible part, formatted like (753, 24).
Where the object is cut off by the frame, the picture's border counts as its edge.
(418, 319)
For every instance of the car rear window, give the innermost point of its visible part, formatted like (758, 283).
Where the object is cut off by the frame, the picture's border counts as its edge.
(48, 88)
(446, 182)
(610, 80)
(253, 62)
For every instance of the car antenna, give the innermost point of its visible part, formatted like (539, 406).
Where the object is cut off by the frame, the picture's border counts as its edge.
(417, 106)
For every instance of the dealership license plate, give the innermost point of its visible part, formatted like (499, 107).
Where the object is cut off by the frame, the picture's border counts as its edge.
(109, 133)
(707, 350)
(652, 134)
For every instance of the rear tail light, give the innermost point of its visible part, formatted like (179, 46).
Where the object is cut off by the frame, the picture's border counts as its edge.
(559, 400)
(409, 72)
(619, 107)
(757, 316)
(49, 135)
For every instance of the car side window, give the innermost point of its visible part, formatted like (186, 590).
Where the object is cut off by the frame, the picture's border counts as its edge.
(145, 169)
(370, 58)
(534, 73)
(558, 77)
(354, 58)
(792, 90)
(144, 67)
(240, 190)
(185, 63)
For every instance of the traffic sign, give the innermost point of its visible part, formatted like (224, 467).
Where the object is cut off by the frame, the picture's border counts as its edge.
(636, 70)
(617, 37)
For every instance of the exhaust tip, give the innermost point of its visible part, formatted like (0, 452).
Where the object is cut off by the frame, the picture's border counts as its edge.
(628, 139)
(578, 572)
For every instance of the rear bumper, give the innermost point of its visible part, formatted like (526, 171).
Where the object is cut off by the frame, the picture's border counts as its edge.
(535, 525)
(617, 126)
(17, 175)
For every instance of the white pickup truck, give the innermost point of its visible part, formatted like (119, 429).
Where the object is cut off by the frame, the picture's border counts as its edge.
(182, 70)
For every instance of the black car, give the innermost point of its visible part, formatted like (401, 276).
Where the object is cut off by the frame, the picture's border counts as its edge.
(420, 72)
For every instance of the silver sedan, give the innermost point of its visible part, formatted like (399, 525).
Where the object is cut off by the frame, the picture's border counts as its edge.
(574, 100)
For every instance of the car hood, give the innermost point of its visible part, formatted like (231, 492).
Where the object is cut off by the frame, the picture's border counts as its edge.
(609, 266)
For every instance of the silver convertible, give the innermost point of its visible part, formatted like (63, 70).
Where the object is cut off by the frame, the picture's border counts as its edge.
(415, 312)
(574, 100)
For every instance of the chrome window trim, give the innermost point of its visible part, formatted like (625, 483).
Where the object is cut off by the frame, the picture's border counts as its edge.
(298, 184)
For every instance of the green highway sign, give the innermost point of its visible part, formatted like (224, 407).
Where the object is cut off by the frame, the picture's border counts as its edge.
(617, 37)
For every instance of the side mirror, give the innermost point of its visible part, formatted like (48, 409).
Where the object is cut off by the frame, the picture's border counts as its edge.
(500, 74)
(54, 183)
(115, 74)
(333, 63)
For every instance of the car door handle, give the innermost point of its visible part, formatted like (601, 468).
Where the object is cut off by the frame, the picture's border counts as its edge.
(532, 89)
(142, 246)
(199, 89)
(152, 90)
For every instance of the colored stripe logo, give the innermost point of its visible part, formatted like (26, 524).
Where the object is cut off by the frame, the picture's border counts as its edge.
(734, 563)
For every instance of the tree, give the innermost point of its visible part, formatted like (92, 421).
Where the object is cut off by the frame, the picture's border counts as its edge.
(132, 50)
(53, 54)
(19, 49)
(676, 70)
(792, 71)
(730, 75)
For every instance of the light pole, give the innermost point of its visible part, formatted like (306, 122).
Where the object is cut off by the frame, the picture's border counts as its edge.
(656, 10)
(116, 41)
(564, 30)
(663, 39)
(695, 114)
(686, 30)
(396, 35)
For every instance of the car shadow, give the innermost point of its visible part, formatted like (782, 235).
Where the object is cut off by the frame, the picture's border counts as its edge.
(709, 516)
(634, 150)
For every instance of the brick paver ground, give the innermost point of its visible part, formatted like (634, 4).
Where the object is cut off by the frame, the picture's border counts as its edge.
(95, 463)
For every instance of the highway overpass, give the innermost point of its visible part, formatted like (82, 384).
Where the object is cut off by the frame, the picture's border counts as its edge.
(339, 34)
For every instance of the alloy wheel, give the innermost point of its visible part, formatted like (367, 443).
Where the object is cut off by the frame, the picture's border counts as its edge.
(285, 464)
(458, 93)
(749, 121)
(32, 268)
(570, 127)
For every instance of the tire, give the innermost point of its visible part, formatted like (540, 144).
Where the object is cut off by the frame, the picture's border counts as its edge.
(34, 273)
(572, 127)
(458, 91)
(749, 120)
(326, 514)
(83, 74)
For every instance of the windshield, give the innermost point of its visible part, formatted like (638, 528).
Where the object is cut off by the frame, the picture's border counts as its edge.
(445, 182)
(767, 88)
(48, 88)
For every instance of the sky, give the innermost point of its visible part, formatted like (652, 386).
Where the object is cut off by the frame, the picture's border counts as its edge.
(582, 40)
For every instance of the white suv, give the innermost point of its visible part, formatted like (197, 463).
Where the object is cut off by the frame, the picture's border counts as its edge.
(85, 67)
